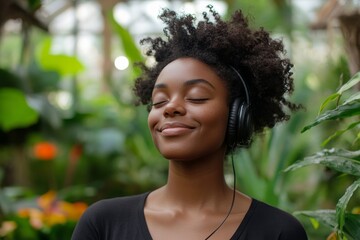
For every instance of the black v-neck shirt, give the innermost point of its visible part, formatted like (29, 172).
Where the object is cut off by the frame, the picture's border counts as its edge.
(123, 219)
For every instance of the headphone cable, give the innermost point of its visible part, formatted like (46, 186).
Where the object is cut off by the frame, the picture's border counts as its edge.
(232, 201)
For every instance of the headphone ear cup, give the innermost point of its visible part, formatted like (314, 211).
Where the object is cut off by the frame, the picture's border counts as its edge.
(240, 127)
(245, 125)
(232, 128)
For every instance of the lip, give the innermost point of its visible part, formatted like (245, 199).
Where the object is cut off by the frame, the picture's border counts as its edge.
(174, 129)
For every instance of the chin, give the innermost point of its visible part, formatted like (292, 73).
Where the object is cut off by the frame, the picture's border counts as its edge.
(176, 155)
(188, 154)
(188, 149)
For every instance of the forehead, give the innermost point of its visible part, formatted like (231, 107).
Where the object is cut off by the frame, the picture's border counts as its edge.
(185, 69)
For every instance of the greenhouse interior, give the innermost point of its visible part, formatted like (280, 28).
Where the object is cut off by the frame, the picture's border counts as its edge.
(72, 134)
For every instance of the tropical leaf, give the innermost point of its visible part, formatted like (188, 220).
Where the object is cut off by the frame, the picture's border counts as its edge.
(326, 217)
(352, 98)
(352, 226)
(63, 64)
(352, 82)
(328, 100)
(14, 110)
(337, 159)
(341, 111)
(343, 202)
(347, 225)
(357, 137)
(338, 133)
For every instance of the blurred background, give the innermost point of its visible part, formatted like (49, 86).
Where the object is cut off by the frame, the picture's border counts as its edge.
(71, 135)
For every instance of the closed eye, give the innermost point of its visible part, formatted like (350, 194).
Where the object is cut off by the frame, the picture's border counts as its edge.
(158, 103)
(197, 100)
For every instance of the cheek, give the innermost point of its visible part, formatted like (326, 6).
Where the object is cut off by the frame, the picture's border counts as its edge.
(220, 113)
(152, 120)
(216, 120)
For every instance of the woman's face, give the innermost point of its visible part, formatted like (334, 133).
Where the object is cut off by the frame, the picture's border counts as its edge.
(188, 119)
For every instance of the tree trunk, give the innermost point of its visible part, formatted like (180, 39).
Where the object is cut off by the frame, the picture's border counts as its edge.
(350, 27)
(107, 66)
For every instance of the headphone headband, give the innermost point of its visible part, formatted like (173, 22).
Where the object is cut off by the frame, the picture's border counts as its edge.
(244, 84)
(240, 126)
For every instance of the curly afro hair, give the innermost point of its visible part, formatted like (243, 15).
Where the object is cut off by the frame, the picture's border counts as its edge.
(222, 45)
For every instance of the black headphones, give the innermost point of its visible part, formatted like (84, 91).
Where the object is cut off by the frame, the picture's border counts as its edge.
(240, 126)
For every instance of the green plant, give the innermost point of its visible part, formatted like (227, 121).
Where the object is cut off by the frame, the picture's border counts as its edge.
(346, 161)
(113, 148)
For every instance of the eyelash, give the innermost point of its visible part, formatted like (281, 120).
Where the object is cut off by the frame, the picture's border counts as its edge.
(157, 103)
(197, 100)
(194, 100)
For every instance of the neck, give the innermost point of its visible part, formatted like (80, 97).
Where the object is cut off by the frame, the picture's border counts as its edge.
(197, 184)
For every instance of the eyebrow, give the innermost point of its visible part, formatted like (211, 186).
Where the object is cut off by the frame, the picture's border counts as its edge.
(187, 83)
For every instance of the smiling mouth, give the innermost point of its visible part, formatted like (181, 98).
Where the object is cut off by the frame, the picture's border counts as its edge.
(175, 129)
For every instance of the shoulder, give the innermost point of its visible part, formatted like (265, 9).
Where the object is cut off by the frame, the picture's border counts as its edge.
(108, 217)
(276, 222)
(268, 213)
(116, 206)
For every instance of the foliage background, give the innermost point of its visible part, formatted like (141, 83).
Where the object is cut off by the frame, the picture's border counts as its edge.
(68, 124)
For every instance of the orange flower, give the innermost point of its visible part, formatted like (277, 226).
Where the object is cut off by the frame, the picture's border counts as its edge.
(53, 218)
(45, 151)
(52, 211)
(7, 227)
(72, 211)
(47, 200)
(35, 216)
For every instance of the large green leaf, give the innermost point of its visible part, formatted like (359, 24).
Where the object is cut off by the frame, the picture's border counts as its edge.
(325, 217)
(337, 159)
(63, 64)
(352, 226)
(352, 82)
(328, 100)
(338, 133)
(343, 202)
(342, 111)
(352, 98)
(328, 218)
(14, 110)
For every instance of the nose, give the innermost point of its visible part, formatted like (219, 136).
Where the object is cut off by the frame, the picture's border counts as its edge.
(174, 108)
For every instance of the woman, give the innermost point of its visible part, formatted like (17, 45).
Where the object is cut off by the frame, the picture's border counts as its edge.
(215, 83)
